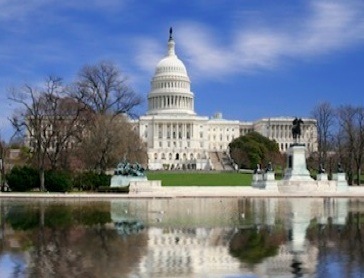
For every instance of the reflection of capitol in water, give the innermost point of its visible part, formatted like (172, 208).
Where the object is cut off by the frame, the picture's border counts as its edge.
(195, 237)
(183, 253)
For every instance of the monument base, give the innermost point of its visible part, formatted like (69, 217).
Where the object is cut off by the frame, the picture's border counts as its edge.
(322, 177)
(145, 186)
(270, 182)
(257, 180)
(265, 181)
(124, 181)
(296, 164)
(297, 178)
(342, 184)
(292, 186)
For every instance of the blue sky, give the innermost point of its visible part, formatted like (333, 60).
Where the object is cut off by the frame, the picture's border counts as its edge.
(247, 59)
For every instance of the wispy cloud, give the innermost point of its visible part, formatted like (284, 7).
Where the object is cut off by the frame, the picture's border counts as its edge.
(149, 52)
(324, 28)
(18, 10)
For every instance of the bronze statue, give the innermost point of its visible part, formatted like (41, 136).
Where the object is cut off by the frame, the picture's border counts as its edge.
(296, 128)
(340, 168)
(124, 168)
(269, 167)
(170, 33)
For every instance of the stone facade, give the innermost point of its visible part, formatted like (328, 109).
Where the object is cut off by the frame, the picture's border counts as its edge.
(177, 138)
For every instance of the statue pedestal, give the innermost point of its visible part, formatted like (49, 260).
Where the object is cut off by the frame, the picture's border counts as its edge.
(265, 181)
(124, 181)
(296, 164)
(341, 183)
(322, 177)
(258, 180)
(145, 186)
(297, 178)
(270, 182)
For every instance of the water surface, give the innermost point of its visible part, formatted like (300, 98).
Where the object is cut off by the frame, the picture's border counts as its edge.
(183, 237)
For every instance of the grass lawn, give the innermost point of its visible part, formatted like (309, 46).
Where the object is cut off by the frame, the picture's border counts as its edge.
(201, 178)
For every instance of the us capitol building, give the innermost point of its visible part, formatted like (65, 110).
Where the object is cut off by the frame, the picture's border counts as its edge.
(177, 138)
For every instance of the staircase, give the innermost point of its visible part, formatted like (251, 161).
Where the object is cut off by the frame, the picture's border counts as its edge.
(221, 161)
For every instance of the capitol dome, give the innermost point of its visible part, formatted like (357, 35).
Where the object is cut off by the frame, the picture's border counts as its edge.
(170, 86)
(171, 64)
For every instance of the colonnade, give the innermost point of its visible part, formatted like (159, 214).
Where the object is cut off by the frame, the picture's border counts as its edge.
(284, 131)
(171, 84)
(163, 102)
(173, 130)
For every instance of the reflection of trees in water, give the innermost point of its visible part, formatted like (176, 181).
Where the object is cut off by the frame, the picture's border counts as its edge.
(84, 252)
(257, 240)
(255, 244)
(74, 241)
(344, 242)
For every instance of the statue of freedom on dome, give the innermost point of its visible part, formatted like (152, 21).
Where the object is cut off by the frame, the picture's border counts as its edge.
(170, 33)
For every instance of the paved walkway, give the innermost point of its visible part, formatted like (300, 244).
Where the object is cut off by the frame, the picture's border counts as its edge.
(192, 191)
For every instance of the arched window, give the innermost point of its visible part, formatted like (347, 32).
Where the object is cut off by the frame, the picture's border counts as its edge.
(155, 156)
(177, 156)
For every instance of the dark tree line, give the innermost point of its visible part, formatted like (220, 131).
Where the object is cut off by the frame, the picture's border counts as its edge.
(80, 125)
(341, 138)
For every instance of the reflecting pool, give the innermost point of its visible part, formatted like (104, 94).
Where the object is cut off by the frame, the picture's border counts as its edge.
(183, 237)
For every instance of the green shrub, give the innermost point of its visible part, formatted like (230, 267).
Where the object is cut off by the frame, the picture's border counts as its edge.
(90, 181)
(22, 178)
(58, 181)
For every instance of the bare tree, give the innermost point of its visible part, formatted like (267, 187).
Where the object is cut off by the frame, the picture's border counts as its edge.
(2, 164)
(351, 139)
(107, 140)
(324, 114)
(68, 120)
(103, 89)
(47, 119)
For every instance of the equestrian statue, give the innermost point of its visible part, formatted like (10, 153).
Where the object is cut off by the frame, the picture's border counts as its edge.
(296, 129)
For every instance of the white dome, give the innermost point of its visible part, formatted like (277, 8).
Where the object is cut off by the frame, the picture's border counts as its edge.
(171, 65)
(170, 91)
